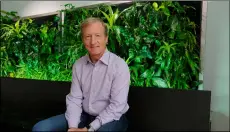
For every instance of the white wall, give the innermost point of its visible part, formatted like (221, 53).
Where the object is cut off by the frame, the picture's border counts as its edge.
(216, 62)
(31, 8)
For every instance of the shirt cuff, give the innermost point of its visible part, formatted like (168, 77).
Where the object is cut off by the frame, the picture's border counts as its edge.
(96, 124)
(72, 124)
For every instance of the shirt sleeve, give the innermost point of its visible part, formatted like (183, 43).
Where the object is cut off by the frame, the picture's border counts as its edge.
(74, 100)
(118, 100)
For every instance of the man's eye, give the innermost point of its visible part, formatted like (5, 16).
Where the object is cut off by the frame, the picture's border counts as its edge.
(98, 35)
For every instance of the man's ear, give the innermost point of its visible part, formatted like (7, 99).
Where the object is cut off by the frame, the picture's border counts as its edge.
(107, 39)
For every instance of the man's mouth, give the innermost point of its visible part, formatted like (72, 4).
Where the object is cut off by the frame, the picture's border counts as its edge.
(94, 47)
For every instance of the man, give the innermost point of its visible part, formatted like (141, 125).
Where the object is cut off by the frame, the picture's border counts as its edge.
(100, 84)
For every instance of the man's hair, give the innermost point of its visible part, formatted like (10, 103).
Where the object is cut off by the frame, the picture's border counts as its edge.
(90, 20)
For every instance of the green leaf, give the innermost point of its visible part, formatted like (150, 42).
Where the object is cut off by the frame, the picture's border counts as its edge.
(163, 65)
(117, 32)
(56, 18)
(161, 7)
(17, 25)
(145, 52)
(20, 36)
(147, 74)
(189, 7)
(159, 82)
(106, 16)
(149, 39)
(138, 59)
(49, 50)
(171, 35)
(174, 23)
(116, 15)
(181, 35)
(158, 60)
(131, 53)
(155, 5)
(43, 49)
(157, 42)
(134, 70)
(166, 11)
(158, 73)
(148, 82)
(168, 63)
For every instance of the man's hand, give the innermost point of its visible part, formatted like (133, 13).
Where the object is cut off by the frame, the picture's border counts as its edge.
(78, 129)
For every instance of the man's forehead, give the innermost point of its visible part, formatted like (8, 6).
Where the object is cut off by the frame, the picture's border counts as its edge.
(96, 29)
(96, 23)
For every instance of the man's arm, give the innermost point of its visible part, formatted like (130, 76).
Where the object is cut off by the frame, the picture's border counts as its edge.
(74, 100)
(118, 100)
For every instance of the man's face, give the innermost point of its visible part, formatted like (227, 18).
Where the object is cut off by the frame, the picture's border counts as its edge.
(94, 38)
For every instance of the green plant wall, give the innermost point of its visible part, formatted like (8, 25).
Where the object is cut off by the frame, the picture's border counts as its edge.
(156, 39)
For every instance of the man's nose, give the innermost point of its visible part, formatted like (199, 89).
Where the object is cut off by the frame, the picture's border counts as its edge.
(93, 40)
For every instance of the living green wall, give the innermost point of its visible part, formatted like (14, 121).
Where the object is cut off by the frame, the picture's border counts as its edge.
(156, 39)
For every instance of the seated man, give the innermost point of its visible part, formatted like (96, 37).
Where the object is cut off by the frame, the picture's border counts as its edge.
(100, 84)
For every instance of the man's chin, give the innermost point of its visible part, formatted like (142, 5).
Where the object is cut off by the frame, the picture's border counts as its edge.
(94, 53)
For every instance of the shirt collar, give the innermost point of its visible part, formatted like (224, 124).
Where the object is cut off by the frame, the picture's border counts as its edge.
(104, 58)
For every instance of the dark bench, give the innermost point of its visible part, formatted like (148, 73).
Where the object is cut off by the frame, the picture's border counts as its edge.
(25, 102)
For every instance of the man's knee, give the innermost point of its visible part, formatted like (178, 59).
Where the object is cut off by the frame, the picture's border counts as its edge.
(36, 127)
(112, 128)
(41, 126)
(55, 123)
(121, 125)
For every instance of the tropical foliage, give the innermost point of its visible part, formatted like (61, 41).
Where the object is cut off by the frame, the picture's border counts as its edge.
(156, 39)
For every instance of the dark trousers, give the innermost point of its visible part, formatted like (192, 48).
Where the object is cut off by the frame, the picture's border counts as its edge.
(59, 123)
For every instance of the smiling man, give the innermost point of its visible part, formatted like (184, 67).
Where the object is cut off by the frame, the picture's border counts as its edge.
(100, 84)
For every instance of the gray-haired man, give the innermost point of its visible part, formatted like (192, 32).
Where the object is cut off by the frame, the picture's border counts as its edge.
(100, 84)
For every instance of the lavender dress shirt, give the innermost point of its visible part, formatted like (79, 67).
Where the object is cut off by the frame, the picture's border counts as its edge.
(100, 89)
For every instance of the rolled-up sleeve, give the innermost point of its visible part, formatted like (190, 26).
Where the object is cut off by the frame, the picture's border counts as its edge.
(119, 96)
(74, 100)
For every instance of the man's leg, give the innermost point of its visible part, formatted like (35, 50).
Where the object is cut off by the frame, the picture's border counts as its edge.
(120, 125)
(55, 123)
(59, 123)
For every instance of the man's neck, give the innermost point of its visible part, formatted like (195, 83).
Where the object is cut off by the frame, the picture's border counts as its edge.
(95, 58)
